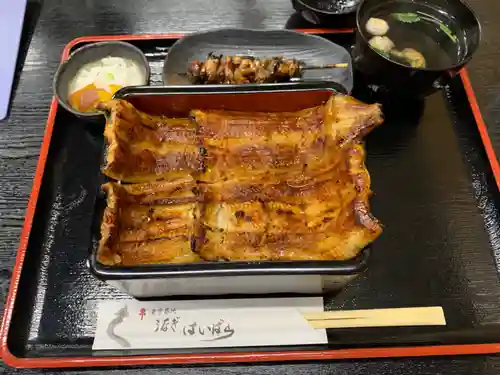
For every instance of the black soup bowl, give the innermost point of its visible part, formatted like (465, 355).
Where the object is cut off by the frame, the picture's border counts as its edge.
(445, 32)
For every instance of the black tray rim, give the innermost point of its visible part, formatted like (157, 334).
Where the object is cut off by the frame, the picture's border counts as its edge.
(225, 269)
(214, 358)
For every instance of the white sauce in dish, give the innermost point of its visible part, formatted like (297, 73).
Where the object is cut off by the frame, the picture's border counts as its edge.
(107, 71)
(97, 81)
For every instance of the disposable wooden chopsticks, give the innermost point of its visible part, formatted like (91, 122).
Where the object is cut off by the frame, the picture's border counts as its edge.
(413, 316)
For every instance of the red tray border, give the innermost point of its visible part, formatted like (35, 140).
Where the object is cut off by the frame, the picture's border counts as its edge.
(241, 357)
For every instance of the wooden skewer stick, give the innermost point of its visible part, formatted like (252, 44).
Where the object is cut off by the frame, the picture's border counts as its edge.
(329, 66)
(413, 316)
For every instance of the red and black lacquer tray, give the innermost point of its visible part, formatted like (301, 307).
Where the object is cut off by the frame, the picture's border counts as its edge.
(436, 179)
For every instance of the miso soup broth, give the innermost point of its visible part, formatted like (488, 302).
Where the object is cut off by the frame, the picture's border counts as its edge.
(414, 34)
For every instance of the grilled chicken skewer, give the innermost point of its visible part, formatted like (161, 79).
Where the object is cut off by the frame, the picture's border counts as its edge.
(219, 69)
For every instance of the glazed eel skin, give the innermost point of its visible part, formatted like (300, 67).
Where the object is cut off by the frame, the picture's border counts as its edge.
(237, 186)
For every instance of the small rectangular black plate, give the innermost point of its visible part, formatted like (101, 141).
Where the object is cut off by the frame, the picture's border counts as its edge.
(434, 191)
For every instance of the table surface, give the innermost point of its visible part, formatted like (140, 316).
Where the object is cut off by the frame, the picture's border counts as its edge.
(50, 24)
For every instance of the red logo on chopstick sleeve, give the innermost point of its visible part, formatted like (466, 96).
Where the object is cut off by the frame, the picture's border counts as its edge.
(142, 313)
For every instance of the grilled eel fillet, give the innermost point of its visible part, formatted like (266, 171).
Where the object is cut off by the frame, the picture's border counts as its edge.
(324, 220)
(272, 185)
(144, 148)
(149, 223)
(271, 147)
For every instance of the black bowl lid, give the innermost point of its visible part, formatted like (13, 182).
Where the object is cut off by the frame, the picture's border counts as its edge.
(330, 7)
